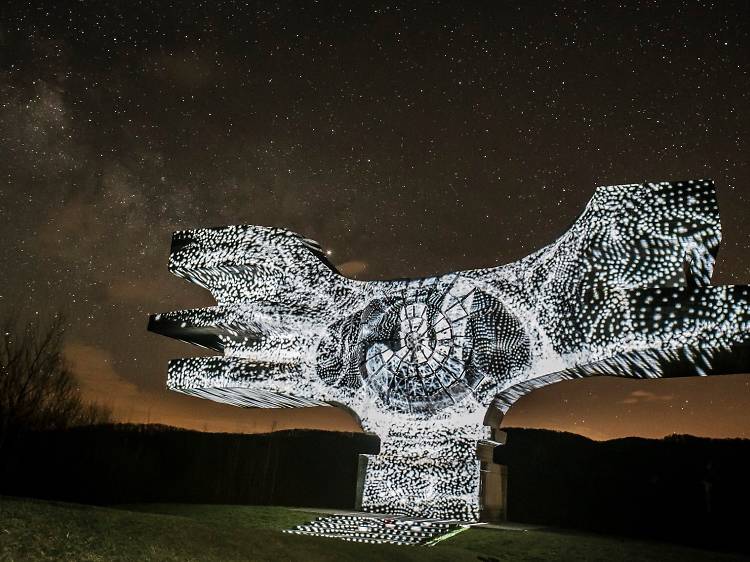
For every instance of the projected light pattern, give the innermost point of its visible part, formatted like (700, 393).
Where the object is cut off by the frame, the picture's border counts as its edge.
(624, 292)
(378, 530)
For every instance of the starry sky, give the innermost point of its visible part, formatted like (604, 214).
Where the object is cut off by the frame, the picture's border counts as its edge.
(409, 138)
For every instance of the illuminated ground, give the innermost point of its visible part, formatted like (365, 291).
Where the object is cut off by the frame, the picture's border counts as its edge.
(38, 530)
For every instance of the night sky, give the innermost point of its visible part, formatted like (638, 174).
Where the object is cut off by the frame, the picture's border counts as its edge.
(408, 138)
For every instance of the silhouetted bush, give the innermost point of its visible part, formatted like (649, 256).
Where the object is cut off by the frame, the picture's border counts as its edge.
(37, 391)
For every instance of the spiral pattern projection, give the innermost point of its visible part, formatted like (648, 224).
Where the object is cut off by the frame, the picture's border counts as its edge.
(427, 348)
(624, 292)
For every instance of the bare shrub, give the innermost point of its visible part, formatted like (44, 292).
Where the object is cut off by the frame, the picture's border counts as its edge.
(37, 389)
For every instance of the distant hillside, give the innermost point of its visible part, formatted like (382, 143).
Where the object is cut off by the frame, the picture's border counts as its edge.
(126, 463)
(685, 488)
(682, 488)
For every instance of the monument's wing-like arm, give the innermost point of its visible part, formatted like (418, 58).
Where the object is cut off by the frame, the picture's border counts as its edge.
(666, 332)
(276, 292)
(628, 237)
(625, 291)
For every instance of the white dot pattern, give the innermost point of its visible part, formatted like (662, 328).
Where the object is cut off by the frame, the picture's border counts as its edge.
(624, 292)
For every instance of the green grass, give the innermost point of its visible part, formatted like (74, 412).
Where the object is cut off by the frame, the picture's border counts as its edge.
(39, 530)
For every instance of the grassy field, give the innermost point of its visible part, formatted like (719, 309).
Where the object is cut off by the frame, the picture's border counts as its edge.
(40, 530)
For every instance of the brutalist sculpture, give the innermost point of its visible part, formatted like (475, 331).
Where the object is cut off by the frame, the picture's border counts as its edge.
(423, 362)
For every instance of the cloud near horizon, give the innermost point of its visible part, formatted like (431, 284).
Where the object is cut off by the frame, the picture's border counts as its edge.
(353, 268)
(639, 396)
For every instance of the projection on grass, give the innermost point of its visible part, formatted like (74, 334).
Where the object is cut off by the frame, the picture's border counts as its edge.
(424, 362)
